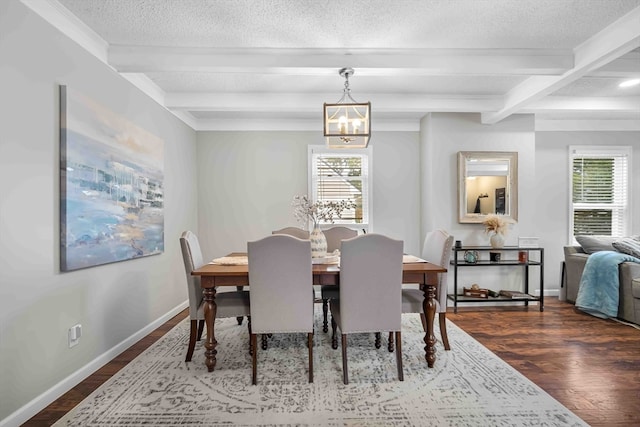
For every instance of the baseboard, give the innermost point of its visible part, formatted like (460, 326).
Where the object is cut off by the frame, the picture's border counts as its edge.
(43, 400)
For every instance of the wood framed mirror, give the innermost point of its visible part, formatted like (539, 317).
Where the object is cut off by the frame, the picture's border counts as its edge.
(487, 184)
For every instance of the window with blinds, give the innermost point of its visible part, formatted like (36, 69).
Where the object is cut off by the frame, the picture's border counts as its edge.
(600, 191)
(337, 175)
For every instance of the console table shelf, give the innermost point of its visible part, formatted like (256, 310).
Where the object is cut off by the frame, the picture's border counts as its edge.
(458, 262)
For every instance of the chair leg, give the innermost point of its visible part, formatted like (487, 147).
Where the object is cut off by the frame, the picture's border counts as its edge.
(249, 328)
(239, 318)
(442, 317)
(200, 329)
(192, 340)
(390, 345)
(423, 319)
(399, 355)
(325, 315)
(264, 341)
(310, 345)
(254, 359)
(334, 339)
(345, 370)
(378, 340)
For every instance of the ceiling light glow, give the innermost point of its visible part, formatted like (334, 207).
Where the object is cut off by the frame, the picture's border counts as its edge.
(629, 83)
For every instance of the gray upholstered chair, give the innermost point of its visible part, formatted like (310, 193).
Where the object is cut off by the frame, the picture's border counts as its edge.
(300, 234)
(334, 236)
(230, 302)
(370, 292)
(293, 231)
(280, 274)
(436, 250)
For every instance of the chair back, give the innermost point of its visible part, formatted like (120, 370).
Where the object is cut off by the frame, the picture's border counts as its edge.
(293, 231)
(335, 236)
(371, 284)
(281, 279)
(437, 250)
(192, 257)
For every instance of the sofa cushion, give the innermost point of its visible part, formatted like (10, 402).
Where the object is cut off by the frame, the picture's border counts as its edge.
(628, 246)
(592, 244)
(635, 287)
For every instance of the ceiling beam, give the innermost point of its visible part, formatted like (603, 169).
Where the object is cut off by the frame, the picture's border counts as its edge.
(298, 102)
(372, 62)
(627, 104)
(615, 40)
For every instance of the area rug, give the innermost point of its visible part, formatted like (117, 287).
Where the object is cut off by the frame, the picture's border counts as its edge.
(469, 385)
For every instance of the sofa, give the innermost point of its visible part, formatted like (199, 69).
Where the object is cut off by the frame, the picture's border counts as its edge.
(575, 258)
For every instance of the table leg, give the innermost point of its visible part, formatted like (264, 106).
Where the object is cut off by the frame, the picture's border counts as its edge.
(210, 308)
(429, 309)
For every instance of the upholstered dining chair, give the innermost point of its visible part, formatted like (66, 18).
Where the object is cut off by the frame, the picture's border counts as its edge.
(300, 234)
(293, 231)
(370, 292)
(230, 302)
(334, 236)
(436, 250)
(280, 274)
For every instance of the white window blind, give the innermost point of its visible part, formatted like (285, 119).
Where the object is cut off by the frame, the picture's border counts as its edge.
(600, 191)
(337, 175)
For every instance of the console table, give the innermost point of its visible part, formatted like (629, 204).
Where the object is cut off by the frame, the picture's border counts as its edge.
(509, 257)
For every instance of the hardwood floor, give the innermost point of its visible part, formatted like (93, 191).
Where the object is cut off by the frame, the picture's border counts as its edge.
(591, 366)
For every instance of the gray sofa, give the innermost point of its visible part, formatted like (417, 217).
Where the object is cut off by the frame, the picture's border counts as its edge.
(575, 258)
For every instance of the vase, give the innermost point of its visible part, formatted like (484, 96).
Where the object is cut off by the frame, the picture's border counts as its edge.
(496, 240)
(318, 242)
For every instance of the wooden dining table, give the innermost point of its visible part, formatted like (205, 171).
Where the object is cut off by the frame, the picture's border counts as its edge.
(213, 275)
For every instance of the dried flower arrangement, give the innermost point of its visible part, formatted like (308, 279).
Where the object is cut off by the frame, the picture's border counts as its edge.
(304, 210)
(496, 223)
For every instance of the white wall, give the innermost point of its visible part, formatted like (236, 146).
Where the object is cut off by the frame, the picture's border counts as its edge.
(248, 180)
(442, 136)
(552, 187)
(37, 302)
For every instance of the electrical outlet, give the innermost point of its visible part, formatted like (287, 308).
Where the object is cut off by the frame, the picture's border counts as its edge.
(74, 334)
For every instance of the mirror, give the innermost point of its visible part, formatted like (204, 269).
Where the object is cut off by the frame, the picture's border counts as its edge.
(487, 184)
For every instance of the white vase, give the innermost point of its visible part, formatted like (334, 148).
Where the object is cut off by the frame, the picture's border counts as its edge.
(318, 242)
(496, 240)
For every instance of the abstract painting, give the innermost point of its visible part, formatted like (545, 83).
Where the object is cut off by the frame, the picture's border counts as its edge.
(111, 186)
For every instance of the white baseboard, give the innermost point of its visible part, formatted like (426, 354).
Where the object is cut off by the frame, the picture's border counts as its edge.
(42, 401)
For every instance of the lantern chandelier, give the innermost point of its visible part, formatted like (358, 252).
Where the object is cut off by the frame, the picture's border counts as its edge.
(347, 123)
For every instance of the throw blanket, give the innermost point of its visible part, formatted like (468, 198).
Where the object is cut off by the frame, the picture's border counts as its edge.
(599, 292)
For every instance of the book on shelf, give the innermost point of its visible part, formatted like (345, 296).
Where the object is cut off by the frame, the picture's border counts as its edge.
(515, 295)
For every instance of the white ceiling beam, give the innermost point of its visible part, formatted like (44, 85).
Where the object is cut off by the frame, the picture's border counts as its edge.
(588, 125)
(297, 102)
(615, 40)
(625, 67)
(570, 103)
(144, 59)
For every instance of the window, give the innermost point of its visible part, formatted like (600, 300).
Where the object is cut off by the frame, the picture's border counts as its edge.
(600, 188)
(342, 175)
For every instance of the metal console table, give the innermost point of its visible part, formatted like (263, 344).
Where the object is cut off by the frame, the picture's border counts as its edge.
(509, 261)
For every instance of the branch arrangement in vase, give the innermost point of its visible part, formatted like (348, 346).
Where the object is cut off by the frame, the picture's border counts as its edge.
(320, 211)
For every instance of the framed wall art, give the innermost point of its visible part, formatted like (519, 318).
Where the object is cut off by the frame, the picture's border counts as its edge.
(111, 186)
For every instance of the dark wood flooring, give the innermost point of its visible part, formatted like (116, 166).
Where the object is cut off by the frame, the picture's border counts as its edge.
(591, 366)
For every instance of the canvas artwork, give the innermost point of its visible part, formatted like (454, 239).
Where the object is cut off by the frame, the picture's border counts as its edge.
(111, 186)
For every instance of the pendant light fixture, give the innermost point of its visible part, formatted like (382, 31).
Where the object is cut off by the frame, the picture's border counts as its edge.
(347, 123)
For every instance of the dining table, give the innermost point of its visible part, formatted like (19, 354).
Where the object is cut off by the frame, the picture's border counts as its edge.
(228, 273)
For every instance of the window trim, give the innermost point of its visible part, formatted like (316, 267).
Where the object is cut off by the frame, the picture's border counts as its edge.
(577, 151)
(368, 152)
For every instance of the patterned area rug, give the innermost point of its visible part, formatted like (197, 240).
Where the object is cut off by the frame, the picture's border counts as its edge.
(469, 385)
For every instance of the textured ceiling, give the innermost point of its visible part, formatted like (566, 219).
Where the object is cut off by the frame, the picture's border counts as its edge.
(263, 61)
